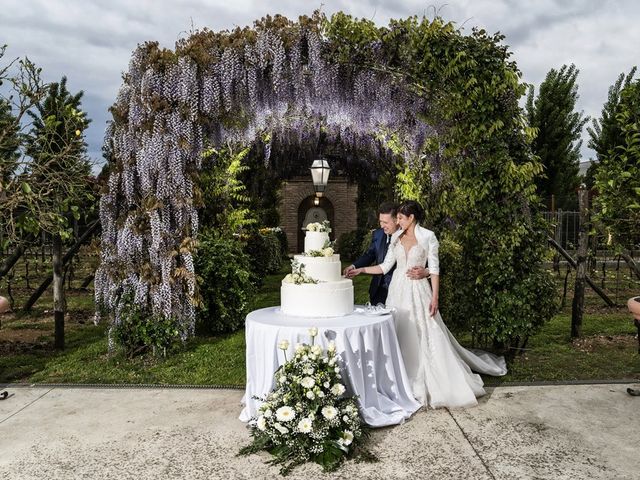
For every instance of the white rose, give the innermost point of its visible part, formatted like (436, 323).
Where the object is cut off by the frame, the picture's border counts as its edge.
(313, 331)
(281, 429)
(321, 394)
(267, 413)
(326, 384)
(283, 345)
(347, 437)
(337, 369)
(261, 423)
(299, 348)
(285, 414)
(311, 395)
(332, 346)
(345, 418)
(327, 252)
(282, 378)
(305, 425)
(288, 278)
(316, 350)
(338, 389)
(333, 361)
(308, 382)
(329, 412)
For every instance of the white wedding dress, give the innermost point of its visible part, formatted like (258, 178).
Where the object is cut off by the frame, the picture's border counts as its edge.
(439, 369)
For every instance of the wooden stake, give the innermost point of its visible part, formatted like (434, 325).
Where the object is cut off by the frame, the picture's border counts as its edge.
(577, 309)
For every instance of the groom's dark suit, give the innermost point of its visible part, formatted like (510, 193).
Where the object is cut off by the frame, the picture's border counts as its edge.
(374, 256)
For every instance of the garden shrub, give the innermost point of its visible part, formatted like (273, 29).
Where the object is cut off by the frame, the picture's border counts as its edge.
(265, 250)
(139, 330)
(350, 245)
(225, 283)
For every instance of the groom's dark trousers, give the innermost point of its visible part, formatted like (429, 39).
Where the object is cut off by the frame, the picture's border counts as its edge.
(374, 256)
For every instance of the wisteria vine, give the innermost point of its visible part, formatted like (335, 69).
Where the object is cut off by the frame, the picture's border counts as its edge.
(277, 87)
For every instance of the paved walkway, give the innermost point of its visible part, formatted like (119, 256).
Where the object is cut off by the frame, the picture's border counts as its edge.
(555, 432)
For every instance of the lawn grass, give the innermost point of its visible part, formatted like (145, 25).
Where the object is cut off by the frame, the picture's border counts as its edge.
(608, 349)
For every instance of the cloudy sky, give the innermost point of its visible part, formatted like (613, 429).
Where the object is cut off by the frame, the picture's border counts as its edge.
(90, 41)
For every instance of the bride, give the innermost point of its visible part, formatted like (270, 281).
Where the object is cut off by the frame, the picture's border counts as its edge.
(440, 369)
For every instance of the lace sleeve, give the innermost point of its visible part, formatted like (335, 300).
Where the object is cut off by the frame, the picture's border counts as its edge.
(389, 259)
(432, 256)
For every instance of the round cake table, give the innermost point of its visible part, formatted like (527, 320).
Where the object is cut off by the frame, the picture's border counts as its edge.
(369, 352)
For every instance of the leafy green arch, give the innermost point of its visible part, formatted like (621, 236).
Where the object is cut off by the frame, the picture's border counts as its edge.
(440, 105)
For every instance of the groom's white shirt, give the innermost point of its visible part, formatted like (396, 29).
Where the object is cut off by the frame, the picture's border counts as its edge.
(427, 240)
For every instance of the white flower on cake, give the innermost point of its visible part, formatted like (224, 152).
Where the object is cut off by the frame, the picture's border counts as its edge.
(319, 227)
(298, 275)
(285, 414)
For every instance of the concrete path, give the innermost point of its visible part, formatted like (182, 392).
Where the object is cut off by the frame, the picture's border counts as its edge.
(555, 432)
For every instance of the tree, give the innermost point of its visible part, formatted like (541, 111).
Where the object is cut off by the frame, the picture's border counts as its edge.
(618, 177)
(59, 173)
(557, 144)
(45, 175)
(604, 132)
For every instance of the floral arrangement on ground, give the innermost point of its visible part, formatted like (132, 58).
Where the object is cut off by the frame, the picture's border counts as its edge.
(307, 417)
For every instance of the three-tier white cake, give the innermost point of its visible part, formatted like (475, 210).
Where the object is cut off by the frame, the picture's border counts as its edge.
(331, 296)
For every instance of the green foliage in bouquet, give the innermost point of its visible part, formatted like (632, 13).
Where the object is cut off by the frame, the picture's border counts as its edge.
(307, 417)
(224, 282)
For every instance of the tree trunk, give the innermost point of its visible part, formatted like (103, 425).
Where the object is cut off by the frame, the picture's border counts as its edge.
(632, 264)
(58, 292)
(558, 238)
(68, 256)
(11, 260)
(581, 269)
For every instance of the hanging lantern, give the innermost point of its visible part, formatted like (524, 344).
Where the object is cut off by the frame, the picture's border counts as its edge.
(320, 175)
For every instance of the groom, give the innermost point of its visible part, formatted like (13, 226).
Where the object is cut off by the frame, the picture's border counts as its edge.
(378, 250)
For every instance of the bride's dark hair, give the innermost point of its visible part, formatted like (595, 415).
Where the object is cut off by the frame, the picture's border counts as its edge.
(411, 207)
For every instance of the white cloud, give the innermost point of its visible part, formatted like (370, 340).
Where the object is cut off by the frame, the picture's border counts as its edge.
(91, 41)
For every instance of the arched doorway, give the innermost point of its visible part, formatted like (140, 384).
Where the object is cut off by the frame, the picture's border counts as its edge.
(309, 212)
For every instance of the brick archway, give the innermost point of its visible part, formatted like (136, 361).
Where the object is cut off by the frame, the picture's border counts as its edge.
(339, 199)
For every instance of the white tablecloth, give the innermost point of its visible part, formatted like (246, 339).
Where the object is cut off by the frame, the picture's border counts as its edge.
(367, 345)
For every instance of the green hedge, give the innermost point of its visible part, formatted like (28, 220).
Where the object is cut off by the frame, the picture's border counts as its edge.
(265, 249)
(351, 244)
(225, 283)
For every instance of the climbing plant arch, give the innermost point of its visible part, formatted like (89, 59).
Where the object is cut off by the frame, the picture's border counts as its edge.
(281, 83)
